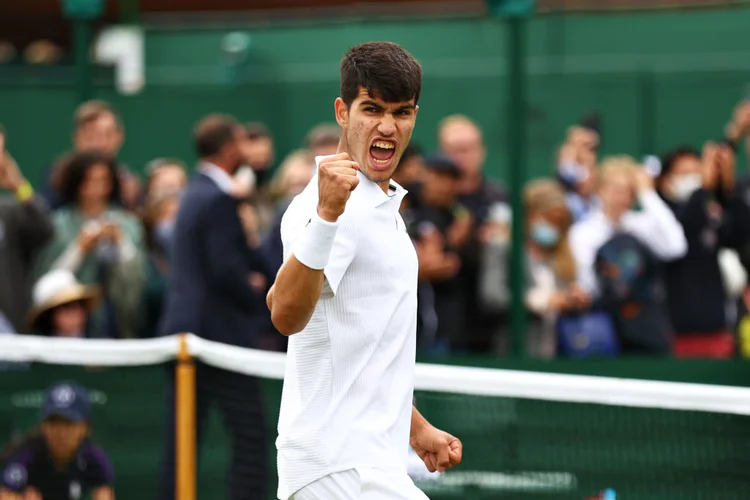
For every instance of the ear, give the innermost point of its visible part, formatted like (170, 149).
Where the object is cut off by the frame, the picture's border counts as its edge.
(342, 112)
(416, 111)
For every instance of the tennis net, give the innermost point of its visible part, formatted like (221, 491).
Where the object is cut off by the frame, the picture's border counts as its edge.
(526, 435)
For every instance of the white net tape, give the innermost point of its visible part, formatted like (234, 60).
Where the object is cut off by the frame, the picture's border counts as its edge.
(429, 377)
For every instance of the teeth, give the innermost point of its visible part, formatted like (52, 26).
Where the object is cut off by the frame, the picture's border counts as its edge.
(380, 162)
(384, 145)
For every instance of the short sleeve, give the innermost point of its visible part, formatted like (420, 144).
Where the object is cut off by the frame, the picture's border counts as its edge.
(342, 255)
(99, 469)
(294, 224)
(15, 476)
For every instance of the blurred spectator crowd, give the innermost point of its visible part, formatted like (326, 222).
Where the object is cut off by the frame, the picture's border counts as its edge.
(38, 52)
(622, 256)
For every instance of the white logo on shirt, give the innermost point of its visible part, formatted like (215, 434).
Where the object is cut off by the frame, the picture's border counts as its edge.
(64, 396)
(75, 490)
(15, 475)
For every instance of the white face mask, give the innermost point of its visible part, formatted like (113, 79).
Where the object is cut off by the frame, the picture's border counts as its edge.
(684, 186)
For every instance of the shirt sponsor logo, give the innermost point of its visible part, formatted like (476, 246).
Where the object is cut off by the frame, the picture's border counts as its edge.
(75, 490)
(15, 475)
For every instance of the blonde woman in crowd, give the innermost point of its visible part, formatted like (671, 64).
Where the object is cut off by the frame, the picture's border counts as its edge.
(292, 176)
(290, 179)
(622, 183)
(552, 269)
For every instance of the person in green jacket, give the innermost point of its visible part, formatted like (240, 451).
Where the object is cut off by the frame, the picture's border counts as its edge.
(99, 242)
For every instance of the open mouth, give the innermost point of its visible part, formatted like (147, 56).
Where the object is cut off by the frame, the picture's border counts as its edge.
(382, 153)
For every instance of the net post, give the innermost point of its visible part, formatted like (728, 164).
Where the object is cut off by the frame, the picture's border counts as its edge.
(185, 423)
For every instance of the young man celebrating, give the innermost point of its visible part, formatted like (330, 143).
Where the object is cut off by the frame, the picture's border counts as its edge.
(347, 294)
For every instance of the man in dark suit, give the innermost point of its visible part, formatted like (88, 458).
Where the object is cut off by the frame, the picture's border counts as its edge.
(210, 295)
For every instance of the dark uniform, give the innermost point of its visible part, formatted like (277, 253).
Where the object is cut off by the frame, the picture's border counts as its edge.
(30, 465)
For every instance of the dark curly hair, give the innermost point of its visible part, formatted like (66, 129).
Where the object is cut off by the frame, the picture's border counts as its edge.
(72, 173)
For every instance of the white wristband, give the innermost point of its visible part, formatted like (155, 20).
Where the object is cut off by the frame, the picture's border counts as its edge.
(314, 247)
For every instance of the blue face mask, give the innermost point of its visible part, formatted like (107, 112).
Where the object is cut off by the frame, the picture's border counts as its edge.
(544, 234)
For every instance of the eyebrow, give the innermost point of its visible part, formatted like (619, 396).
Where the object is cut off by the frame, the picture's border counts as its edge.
(376, 105)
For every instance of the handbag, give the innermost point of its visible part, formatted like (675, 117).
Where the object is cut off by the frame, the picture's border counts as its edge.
(586, 334)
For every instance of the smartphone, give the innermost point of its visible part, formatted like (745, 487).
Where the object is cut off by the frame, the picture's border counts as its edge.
(652, 165)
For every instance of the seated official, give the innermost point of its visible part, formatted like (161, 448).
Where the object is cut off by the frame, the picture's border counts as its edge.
(59, 462)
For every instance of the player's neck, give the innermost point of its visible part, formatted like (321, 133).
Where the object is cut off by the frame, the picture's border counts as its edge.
(384, 185)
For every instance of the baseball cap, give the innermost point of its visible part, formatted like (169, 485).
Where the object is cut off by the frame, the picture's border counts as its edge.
(443, 165)
(69, 401)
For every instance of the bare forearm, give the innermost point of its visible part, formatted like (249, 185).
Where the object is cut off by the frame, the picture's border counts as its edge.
(9, 495)
(294, 295)
(103, 493)
(418, 422)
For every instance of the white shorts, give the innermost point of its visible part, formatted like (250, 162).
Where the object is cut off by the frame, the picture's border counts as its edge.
(362, 484)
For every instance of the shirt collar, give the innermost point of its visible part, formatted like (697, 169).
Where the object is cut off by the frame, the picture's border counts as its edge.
(220, 177)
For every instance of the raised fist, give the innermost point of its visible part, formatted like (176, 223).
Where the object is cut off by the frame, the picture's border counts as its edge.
(337, 178)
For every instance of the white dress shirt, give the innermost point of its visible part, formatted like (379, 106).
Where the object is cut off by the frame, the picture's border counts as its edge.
(220, 176)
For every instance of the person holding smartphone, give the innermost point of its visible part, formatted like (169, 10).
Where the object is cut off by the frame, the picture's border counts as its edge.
(25, 227)
(100, 242)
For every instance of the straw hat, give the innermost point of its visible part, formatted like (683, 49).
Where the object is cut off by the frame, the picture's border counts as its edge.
(57, 288)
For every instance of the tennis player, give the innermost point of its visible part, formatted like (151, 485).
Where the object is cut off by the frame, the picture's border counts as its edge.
(347, 296)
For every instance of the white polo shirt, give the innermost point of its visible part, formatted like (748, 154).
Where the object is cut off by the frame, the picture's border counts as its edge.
(349, 379)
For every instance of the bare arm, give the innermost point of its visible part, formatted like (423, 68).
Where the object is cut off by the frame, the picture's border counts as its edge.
(438, 450)
(103, 493)
(298, 284)
(418, 422)
(298, 289)
(6, 494)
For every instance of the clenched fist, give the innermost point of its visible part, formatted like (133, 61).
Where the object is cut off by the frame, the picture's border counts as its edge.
(337, 178)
